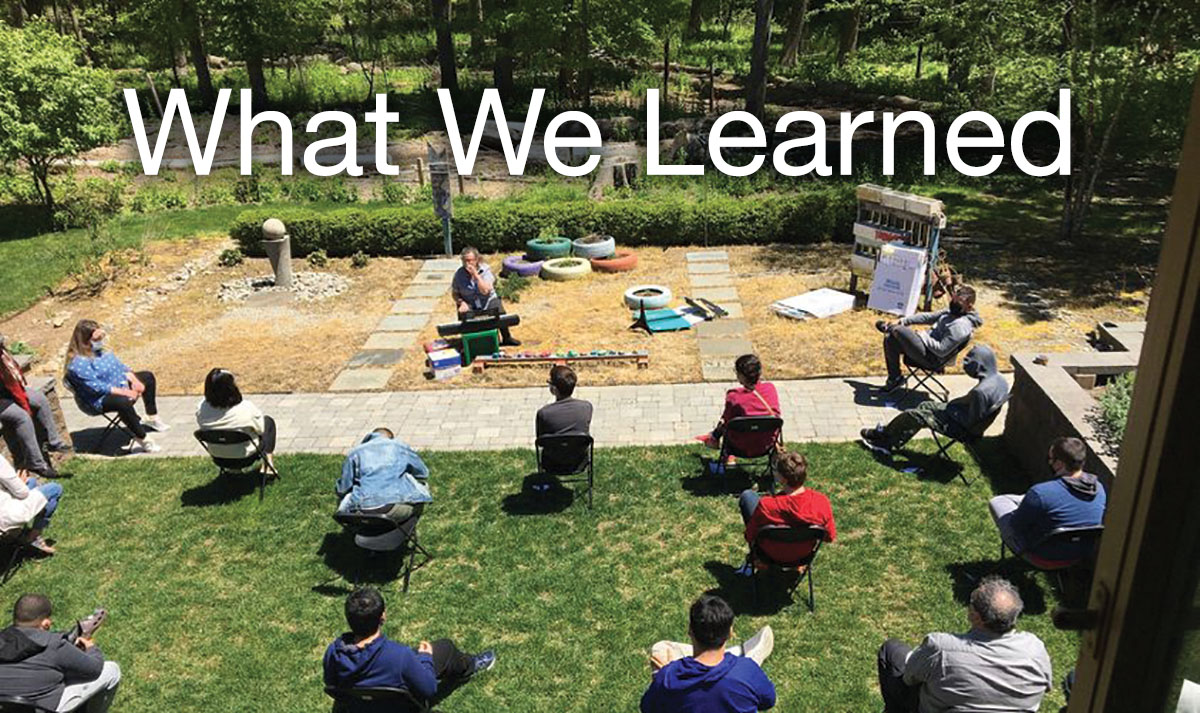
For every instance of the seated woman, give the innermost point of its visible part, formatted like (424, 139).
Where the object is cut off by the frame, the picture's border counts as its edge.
(22, 500)
(223, 408)
(25, 415)
(795, 506)
(105, 384)
(752, 398)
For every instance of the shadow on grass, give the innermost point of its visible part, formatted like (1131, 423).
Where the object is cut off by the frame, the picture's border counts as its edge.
(356, 566)
(221, 490)
(966, 576)
(736, 478)
(773, 589)
(529, 502)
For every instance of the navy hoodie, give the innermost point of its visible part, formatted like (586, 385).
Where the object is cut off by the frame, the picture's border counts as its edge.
(382, 662)
(736, 685)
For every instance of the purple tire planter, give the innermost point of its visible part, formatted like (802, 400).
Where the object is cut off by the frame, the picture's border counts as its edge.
(518, 265)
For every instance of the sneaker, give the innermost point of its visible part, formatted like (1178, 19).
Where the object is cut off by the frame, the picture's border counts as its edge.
(708, 440)
(892, 384)
(872, 438)
(746, 570)
(146, 446)
(881, 325)
(154, 423)
(759, 646)
(60, 448)
(41, 546)
(482, 662)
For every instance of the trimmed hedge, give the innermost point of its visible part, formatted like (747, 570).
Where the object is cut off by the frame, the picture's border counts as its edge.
(505, 226)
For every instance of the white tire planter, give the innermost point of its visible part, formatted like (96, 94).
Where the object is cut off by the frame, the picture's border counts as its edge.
(648, 296)
(594, 246)
(566, 268)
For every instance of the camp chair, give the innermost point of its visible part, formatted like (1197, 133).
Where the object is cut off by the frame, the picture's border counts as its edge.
(786, 534)
(20, 704)
(753, 424)
(235, 466)
(399, 700)
(568, 448)
(926, 375)
(111, 417)
(378, 533)
(967, 437)
(1084, 537)
(18, 539)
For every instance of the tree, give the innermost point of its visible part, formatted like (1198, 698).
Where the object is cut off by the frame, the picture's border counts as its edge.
(756, 83)
(267, 29)
(51, 107)
(793, 39)
(445, 43)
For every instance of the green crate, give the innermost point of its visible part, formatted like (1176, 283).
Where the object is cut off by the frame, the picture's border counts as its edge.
(479, 343)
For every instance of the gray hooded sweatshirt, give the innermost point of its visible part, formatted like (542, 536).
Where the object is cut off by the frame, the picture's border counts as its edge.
(970, 408)
(949, 329)
(38, 664)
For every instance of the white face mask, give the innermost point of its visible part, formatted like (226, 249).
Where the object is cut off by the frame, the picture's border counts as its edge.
(98, 346)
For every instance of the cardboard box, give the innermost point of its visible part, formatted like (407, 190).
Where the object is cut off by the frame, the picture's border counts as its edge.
(444, 359)
(899, 277)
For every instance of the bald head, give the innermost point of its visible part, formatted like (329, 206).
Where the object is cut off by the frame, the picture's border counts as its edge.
(997, 603)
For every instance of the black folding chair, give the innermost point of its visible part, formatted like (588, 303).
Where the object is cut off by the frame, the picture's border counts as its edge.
(378, 533)
(398, 700)
(110, 417)
(792, 535)
(20, 704)
(236, 466)
(575, 449)
(926, 375)
(17, 539)
(1085, 538)
(753, 424)
(966, 436)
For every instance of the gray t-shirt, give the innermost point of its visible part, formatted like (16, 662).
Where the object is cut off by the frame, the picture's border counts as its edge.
(979, 671)
(569, 415)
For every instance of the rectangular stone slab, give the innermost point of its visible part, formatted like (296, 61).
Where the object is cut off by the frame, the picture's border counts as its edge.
(722, 328)
(707, 268)
(365, 379)
(414, 306)
(724, 347)
(711, 280)
(426, 290)
(376, 357)
(391, 340)
(449, 264)
(718, 295)
(708, 256)
(402, 323)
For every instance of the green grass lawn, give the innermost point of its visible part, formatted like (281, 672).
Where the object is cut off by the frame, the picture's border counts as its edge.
(219, 603)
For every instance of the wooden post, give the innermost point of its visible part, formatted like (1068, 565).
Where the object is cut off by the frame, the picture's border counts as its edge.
(154, 93)
(421, 173)
(461, 189)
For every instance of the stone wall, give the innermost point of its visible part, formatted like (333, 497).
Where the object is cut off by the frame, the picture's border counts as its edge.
(48, 386)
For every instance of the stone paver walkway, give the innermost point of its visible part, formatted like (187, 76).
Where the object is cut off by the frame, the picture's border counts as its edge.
(833, 409)
(720, 341)
(396, 334)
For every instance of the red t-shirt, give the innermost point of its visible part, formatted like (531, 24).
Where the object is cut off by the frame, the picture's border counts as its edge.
(804, 508)
(744, 402)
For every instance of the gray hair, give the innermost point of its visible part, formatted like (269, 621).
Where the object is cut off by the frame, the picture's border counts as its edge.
(469, 250)
(998, 604)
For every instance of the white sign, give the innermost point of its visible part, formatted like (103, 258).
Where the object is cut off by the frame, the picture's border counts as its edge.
(817, 303)
(899, 276)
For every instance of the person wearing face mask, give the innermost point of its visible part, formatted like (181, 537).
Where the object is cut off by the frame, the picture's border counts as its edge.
(955, 418)
(1072, 498)
(474, 289)
(25, 414)
(951, 327)
(566, 415)
(795, 506)
(105, 384)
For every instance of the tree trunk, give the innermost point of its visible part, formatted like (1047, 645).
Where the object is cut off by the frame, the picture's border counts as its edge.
(258, 83)
(587, 55)
(477, 38)
(502, 67)
(848, 40)
(16, 13)
(920, 58)
(793, 40)
(666, 67)
(565, 43)
(445, 43)
(756, 83)
(195, 41)
(41, 183)
(695, 18)
(958, 69)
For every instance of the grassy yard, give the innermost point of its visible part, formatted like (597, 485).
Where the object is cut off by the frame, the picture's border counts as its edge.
(219, 603)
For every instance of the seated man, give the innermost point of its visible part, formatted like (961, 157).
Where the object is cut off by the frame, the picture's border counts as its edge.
(1072, 499)
(53, 671)
(992, 667)
(955, 419)
(711, 680)
(795, 506)
(567, 415)
(753, 398)
(951, 327)
(27, 419)
(474, 292)
(365, 658)
(381, 475)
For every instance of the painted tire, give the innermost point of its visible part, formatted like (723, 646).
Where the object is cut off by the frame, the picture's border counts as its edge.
(622, 261)
(518, 265)
(566, 268)
(594, 246)
(649, 296)
(547, 248)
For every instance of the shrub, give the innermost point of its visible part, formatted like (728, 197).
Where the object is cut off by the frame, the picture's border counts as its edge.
(82, 203)
(359, 259)
(231, 257)
(318, 258)
(504, 225)
(1114, 408)
(153, 198)
(509, 288)
(215, 193)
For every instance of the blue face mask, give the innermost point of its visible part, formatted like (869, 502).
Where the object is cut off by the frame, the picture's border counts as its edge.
(98, 347)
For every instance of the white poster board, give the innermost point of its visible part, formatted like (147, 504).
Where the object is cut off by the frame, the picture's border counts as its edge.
(899, 276)
(817, 303)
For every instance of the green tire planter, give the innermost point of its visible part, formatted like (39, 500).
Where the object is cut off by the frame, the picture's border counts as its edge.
(547, 248)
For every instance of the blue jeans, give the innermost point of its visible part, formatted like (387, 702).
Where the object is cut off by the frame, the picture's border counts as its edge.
(52, 491)
(747, 502)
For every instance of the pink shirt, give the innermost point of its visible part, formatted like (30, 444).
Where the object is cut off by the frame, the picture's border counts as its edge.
(744, 402)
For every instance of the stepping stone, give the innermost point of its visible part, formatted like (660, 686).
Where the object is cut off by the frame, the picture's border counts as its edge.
(414, 306)
(447, 264)
(708, 256)
(366, 379)
(717, 294)
(708, 268)
(733, 308)
(711, 281)
(402, 323)
(426, 290)
(423, 277)
(717, 372)
(722, 328)
(376, 357)
(390, 340)
(724, 347)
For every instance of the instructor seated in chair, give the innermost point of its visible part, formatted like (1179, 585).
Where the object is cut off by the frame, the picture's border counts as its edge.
(474, 289)
(952, 327)
(383, 476)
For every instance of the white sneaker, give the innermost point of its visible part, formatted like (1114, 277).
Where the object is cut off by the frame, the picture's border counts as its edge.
(146, 446)
(156, 424)
(759, 646)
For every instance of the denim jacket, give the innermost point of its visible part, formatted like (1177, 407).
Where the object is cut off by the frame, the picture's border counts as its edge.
(383, 471)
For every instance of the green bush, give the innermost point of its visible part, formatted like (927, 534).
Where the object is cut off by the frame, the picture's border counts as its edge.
(82, 203)
(215, 193)
(505, 225)
(318, 259)
(231, 257)
(1114, 406)
(360, 259)
(152, 198)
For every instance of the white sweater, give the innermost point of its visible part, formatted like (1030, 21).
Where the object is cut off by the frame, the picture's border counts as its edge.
(245, 417)
(18, 504)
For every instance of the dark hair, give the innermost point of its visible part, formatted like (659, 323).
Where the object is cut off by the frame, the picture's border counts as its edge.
(748, 366)
(563, 379)
(31, 608)
(1071, 451)
(385, 432)
(965, 293)
(81, 339)
(710, 622)
(792, 467)
(998, 604)
(364, 611)
(220, 389)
